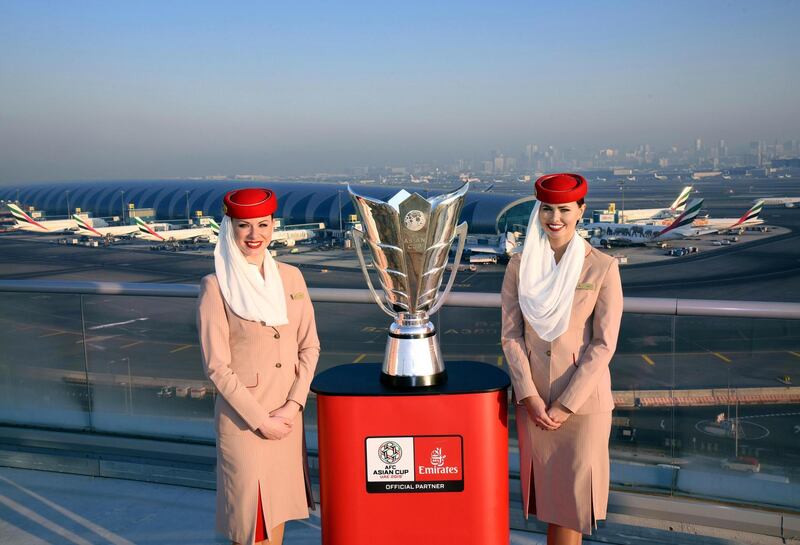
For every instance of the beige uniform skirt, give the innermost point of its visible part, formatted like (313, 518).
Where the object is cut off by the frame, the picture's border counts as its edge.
(570, 471)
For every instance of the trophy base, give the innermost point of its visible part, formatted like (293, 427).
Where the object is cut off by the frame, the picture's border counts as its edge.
(399, 381)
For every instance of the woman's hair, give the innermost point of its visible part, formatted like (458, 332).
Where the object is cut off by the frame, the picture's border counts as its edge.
(580, 202)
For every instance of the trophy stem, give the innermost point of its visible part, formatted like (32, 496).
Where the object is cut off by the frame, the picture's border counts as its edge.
(412, 357)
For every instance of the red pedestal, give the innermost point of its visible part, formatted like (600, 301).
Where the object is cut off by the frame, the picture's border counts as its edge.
(419, 466)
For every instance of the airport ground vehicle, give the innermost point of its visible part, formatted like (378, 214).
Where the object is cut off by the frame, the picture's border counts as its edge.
(742, 463)
(482, 258)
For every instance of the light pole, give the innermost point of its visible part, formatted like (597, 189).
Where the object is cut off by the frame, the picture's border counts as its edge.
(69, 212)
(122, 203)
(339, 194)
(130, 390)
(187, 207)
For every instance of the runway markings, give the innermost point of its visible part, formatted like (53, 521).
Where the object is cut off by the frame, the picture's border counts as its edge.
(722, 357)
(53, 334)
(648, 359)
(500, 361)
(795, 354)
(183, 347)
(131, 344)
(360, 358)
(95, 339)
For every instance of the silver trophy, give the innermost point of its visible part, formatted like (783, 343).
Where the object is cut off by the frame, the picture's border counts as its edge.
(410, 238)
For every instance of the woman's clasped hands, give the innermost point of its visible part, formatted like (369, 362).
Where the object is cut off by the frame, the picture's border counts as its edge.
(544, 417)
(279, 422)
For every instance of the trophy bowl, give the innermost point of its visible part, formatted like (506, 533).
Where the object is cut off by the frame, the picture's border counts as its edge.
(410, 238)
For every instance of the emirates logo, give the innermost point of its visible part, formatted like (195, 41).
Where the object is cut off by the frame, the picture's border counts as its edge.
(437, 458)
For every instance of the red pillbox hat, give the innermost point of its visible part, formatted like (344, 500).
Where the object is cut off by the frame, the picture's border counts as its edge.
(560, 188)
(250, 203)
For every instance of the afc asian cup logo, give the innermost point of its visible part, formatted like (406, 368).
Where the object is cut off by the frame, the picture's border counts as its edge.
(390, 452)
(437, 458)
(414, 220)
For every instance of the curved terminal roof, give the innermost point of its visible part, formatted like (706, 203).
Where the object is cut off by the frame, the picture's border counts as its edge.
(298, 202)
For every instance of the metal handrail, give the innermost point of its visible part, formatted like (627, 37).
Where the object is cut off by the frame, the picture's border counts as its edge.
(669, 306)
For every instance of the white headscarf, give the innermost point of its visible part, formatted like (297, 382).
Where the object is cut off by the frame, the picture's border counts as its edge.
(250, 296)
(546, 290)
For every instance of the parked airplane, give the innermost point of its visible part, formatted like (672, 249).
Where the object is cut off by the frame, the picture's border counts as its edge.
(291, 234)
(24, 222)
(86, 228)
(714, 225)
(645, 214)
(150, 232)
(788, 202)
(506, 244)
(634, 233)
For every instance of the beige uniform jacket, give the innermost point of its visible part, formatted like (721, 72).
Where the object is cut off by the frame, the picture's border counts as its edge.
(256, 369)
(573, 368)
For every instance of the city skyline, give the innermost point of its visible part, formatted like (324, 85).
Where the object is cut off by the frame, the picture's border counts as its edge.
(147, 90)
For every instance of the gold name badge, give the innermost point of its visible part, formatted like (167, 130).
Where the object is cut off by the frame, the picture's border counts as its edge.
(298, 295)
(585, 286)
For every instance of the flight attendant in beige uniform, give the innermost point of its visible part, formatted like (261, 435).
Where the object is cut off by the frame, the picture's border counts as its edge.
(561, 311)
(260, 347)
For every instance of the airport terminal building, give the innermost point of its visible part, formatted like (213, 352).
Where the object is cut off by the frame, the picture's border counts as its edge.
(298, 202)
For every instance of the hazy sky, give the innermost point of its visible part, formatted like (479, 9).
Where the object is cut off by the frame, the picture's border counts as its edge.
(99, 89)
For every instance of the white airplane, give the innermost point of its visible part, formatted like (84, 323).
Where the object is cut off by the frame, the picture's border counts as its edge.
(788, 202)
(292, 234)
(645, 214)
(85, 228)
(24, 222)
(707, 226)
(154, 234)
(635, 233)
(506, 244)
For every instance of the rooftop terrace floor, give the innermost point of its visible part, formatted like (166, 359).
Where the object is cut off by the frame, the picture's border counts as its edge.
(38, 508)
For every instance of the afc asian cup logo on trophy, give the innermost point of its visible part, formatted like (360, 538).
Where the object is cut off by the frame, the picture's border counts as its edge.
(414, 220)
(410, 238)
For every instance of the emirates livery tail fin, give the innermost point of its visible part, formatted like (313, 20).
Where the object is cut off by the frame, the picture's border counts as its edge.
(146, 229)
(750, 215)
(84, 225)
(22, 218)
(686, 218)
(680, 202)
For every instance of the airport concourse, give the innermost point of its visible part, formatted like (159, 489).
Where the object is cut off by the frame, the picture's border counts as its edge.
(106, 417)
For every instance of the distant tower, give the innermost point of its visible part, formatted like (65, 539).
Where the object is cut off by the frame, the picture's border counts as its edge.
(698, 145)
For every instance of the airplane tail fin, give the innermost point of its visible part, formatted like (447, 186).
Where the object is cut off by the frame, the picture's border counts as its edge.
(214, 226)
(84, 225)
(751, 214)
(146, 229)
(22, 218)
(686, 218)
(680, 202)
(509, 242)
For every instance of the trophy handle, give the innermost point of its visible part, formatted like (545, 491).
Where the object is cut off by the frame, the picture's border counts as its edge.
(358, 239)
(461, 233)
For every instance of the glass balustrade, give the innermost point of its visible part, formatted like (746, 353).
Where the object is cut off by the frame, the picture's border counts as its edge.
(706, 406)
